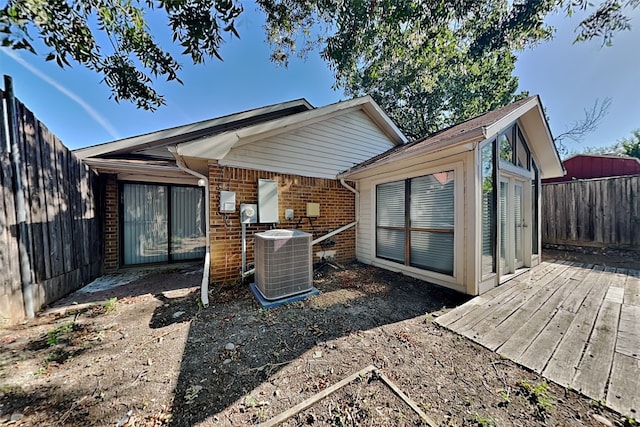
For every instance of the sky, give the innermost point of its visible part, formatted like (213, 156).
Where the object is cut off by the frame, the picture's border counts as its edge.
(76, 107)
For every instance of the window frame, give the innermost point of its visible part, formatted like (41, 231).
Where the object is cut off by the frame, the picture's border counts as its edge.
(458, 217)
(121, 228)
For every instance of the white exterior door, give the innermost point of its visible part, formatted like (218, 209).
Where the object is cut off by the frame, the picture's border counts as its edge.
(512, 225)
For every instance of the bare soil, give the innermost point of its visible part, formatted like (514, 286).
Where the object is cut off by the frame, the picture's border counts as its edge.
(156, 357)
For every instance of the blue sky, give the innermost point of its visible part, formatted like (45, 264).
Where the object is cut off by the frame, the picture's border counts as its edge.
(76, 107)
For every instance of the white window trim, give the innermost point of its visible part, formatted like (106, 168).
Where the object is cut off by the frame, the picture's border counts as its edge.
(456, 280)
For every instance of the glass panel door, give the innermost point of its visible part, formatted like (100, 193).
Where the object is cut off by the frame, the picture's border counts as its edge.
(145, 218)
(504, 219)
(188, 239)
(518, 222)
(512, 225)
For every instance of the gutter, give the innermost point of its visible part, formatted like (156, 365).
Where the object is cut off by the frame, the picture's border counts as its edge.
(203, 182)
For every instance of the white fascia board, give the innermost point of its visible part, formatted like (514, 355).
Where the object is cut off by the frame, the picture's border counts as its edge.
(494, 128)
(120, 167)
(540, 141)
(148, 138)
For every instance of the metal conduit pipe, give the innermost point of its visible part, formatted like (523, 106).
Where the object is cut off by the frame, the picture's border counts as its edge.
(203, 182)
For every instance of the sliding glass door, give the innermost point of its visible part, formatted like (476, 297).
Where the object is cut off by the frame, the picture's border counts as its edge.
(161, 223)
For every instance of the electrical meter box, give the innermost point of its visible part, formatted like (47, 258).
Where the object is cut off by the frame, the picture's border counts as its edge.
(313, 210)
(248, 213)
(227, 202)
(267, 201)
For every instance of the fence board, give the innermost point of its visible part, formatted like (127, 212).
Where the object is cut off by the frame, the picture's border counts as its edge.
(30, 155)
(598, 212)
(44, 224)
(52, 202)
(64, 229)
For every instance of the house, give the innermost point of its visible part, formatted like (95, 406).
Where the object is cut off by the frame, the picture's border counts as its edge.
(460, 208)
(589, 166)
(176, 194)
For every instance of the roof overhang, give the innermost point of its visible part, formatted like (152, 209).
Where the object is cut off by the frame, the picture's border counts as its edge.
(185, 132)
(218, 146)
(536, 129)
(532, 119)
(128, 170)
(465, 140)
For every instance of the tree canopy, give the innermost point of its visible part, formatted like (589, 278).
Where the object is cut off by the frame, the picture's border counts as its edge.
(631, 144)
(445, 49)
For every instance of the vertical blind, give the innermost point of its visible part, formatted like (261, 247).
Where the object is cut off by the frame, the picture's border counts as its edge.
(156, 215)
(517, 206)
(145, 217)
(503, 224)
(187, 223)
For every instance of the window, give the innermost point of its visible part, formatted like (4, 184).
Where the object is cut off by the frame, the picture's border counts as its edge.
(489, 217)
(415, 221)
(390, 230)
(535, 194)
(506, 146)
(523, 154)
(162, 223)
(513, 148)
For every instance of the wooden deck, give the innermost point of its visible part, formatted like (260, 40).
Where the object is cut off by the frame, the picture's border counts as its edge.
(576, 324)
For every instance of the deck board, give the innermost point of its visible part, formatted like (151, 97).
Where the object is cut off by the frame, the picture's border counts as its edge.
(517, 344)
(577, 324)
(501, 308)
(564, 362)
(623, 395)
(629, 331)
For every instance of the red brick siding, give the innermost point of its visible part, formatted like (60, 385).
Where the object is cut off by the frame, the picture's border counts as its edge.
(111, 249)
(337, 208)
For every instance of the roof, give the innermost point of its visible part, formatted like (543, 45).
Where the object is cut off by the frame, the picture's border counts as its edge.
(587, 166)
(214, 138)
(477, 129)
(144, 144)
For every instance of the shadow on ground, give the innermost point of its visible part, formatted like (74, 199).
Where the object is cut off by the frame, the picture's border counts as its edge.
(134, 282)
(260, 342)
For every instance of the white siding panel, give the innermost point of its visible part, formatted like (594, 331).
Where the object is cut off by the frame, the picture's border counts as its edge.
(321, 149)
(365, 243)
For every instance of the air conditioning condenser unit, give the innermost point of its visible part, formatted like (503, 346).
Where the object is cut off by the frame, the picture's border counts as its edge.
(283, 262)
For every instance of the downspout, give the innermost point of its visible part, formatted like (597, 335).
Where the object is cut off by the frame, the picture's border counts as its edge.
(202, 182)
(357, 206)
(20, 203)
(357, 193)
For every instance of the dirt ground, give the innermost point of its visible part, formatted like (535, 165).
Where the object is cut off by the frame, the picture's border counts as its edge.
(152, 356)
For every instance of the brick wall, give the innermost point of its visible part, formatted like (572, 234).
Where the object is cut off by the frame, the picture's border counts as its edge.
(337, 208)
(111, 261)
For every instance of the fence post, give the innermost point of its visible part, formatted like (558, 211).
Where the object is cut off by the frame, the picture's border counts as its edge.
(21, 213)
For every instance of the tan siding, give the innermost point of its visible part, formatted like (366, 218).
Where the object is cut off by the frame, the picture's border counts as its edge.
(321, 149)
(366, 240)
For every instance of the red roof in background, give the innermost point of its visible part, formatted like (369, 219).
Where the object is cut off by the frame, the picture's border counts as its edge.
(585, 166)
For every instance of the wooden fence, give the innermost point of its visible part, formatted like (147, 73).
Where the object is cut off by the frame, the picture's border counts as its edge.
(596, 212)
(61, 232)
